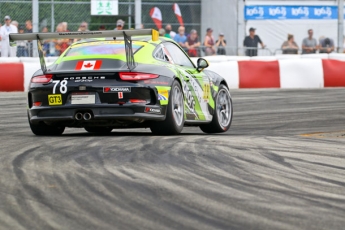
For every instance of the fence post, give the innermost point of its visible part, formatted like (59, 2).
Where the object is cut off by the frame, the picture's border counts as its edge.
(129, 14)
(137, 14)
(35, 21)
(52, 17)
(340, 25)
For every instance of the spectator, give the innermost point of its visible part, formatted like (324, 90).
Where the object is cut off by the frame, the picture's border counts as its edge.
(119, 24)
(161, 32)
(22, 49)
(101, 27)
(181, 38)
(46, 44)
(15, 23)
(14, 48)
(252, 42)
(60, 44)
(326, 45)
(6, 29)
(209, 43)
(82, 28)
(65, 26)
(309, 44)
(193, 44)
(168, 32)
(290, 46)
(28, 26)
(221, 43)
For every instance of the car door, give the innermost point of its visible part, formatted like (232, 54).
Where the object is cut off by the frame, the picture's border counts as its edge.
(195, 85)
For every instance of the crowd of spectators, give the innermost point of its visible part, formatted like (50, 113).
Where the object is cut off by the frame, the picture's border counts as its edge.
(189, 41)
(192, 44)
(309, 44)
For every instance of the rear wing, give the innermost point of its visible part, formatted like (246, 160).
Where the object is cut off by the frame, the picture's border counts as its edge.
(126, 34)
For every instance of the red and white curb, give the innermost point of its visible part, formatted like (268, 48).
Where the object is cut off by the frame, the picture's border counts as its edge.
(239, 72)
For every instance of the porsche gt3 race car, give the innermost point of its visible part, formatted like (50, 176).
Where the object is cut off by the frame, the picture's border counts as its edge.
(125, 79)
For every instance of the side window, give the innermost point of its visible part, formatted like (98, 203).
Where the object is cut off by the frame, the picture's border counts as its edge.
(160, 55)
(177, 55)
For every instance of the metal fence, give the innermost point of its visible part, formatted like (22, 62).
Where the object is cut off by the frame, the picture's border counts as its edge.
(52, 12)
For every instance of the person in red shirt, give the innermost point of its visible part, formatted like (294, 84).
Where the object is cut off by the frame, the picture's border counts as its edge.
(193, 44)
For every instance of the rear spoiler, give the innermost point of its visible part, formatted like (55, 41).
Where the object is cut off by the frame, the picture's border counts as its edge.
(126, 34)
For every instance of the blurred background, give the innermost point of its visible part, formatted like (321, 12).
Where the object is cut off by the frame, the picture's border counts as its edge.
(272, 19)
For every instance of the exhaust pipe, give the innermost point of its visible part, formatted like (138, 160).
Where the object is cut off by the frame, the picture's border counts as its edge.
(78, 116)
(87, 116)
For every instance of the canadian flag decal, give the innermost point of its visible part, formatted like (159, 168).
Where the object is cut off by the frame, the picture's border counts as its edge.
(88, 65)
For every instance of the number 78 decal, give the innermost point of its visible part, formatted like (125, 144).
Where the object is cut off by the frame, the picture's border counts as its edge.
(63, 86)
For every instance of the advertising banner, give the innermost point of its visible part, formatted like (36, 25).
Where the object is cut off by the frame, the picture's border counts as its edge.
(271, 12)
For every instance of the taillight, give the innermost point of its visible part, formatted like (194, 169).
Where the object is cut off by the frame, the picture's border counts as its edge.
(42, 78)
(133, 76)
(138, 101)
(37, 103)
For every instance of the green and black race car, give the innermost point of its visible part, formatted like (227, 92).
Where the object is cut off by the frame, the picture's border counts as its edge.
(125, 79)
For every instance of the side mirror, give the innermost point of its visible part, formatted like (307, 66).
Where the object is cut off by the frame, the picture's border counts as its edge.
(202, 64)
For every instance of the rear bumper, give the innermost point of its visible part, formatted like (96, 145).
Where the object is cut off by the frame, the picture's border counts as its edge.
(98, 112)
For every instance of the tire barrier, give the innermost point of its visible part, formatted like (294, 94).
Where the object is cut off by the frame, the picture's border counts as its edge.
(299, 71)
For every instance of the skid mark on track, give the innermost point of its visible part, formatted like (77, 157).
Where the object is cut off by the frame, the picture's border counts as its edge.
(334, 134)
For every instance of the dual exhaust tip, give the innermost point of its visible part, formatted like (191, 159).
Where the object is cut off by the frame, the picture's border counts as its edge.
(83, 116)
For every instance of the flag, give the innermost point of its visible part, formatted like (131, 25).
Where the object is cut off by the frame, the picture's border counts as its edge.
(156, 16)
(178, 14)
(88, 65)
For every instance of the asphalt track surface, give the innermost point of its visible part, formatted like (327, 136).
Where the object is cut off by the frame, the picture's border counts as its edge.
(262, 174)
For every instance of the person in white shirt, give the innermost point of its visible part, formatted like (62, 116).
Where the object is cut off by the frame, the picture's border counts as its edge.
(6, 49)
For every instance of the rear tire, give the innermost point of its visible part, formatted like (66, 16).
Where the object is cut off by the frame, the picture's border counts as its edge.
(222, 116)
(42, 129)
(98, 129)
(174, 121)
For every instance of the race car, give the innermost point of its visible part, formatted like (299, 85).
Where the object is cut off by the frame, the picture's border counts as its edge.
(124, 79)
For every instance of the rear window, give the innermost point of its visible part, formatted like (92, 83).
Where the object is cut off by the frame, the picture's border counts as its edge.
(102, 48)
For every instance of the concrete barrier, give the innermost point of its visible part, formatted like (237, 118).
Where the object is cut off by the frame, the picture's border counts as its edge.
(298, 71)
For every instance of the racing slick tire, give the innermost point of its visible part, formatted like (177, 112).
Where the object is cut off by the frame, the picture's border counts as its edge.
(174, 121)
(222, 116)
(42, 129)
(98, 129)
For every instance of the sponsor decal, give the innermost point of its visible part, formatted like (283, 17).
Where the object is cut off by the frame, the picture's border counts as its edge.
(163, 94)
(80, 33)
(206, 95)
(88, 65)
(120, 95)
(162, 97)
(156, 82)
(116, 89)
(152, 110)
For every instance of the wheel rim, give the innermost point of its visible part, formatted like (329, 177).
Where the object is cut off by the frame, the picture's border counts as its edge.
(224, 108)
(177, 103)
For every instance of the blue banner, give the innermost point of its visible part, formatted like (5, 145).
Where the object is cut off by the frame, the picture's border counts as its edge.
(265, 12)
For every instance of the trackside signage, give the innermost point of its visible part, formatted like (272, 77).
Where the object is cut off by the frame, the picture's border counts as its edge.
(104, 7)
(275, 12)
